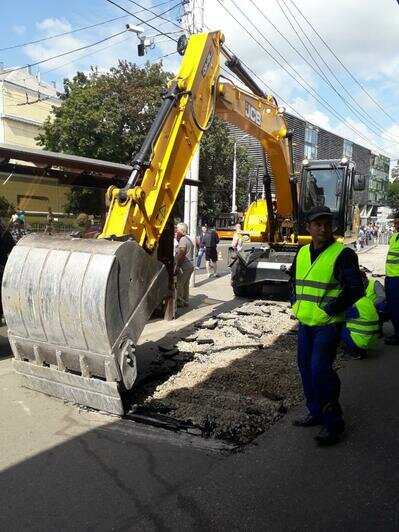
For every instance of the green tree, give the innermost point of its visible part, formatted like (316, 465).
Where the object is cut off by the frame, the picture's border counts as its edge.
(393, 195)
(103, 116)
(106, 116)
(81, 199)
(216, 173)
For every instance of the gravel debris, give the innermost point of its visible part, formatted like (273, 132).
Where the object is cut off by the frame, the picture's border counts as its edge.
(234, 377)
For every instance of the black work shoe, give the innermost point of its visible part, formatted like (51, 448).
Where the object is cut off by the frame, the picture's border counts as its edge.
(307, 421)
(329, 436)
(393, 340)
(351, 355)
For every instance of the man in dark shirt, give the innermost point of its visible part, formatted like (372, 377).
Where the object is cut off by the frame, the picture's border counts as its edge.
(211, 240)
(346, 271)
(318, 339)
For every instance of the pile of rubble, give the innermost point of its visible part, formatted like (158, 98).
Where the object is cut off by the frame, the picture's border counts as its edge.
(233, 376)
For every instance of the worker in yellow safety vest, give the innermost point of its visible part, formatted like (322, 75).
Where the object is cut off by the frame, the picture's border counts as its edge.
(326, 281)
(364, 321)
(392, 282)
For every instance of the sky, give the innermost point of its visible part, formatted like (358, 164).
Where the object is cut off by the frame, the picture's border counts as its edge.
(348, 87)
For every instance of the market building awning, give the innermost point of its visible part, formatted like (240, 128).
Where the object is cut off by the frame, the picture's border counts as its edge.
(68, 169)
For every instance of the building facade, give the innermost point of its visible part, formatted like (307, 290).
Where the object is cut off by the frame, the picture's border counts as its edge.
(25, 103)
(313, 142)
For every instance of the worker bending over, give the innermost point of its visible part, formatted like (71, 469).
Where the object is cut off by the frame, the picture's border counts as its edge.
(364, 320)
(326, 282)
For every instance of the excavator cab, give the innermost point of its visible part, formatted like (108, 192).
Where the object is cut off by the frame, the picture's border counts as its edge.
(329, 183)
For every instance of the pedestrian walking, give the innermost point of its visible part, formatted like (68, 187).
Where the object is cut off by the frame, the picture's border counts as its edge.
(392, 282)
(184, 266)
(326, 282)
(361, 238)
(211, 240)
(237, 242)
(201, 246)
(49, 222)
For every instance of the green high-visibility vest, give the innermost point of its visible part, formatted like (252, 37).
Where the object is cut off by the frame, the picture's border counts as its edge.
(315, 286)
(392, 263)
(364, 330)
(370, 291)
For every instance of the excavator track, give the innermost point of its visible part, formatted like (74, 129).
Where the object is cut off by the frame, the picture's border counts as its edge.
(75, 310)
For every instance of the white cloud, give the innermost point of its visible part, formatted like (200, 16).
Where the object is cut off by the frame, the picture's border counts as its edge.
(364, 38)
(19, 30)
(52, 26)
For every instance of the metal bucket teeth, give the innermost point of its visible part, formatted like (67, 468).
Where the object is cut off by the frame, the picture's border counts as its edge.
(75, 309)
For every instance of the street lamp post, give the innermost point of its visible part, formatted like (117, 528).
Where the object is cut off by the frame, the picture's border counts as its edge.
(234, 193)
(233, 196)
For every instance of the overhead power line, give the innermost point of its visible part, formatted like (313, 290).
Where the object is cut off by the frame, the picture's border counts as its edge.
(93, 44)
(262, 81)
(66, 53)
(163, 56)
(302, 83)
(95, 52)
(141, 20)
(74, 31)
(61, 34)
(160, 15)
(359, 112)
(376, 102)
(87, 55)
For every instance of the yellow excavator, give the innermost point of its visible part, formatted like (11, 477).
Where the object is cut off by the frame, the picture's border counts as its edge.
(329, 182)
(75, 308)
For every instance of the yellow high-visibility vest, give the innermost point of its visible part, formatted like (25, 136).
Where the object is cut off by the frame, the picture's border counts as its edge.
(315, 286)
(364, 330)
(392, 263)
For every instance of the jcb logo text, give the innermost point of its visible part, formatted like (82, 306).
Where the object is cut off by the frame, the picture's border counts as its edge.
(253, 114)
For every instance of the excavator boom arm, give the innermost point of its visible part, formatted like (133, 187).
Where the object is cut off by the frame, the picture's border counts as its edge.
(145, 208)
(142, 208)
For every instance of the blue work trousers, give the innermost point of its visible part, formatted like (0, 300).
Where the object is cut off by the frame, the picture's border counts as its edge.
(201, 253)
(317, 349)
(392, 295)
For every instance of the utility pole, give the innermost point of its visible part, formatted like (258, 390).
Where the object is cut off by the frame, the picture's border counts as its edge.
(193, 22)
(233, 196)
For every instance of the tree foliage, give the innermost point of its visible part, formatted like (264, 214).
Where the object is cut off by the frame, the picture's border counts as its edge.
(6, 208)
(82, 199)
(216, 173)
(106, 116)
(393, 195)
(103, 116)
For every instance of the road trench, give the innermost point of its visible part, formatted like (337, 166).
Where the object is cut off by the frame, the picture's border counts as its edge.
(229, 379)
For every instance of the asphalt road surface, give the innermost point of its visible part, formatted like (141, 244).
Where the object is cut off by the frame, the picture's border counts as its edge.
(68, 469)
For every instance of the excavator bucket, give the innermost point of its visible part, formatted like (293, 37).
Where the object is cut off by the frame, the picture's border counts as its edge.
(75, 310)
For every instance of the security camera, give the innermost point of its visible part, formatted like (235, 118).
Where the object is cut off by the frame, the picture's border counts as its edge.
(134, 29)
